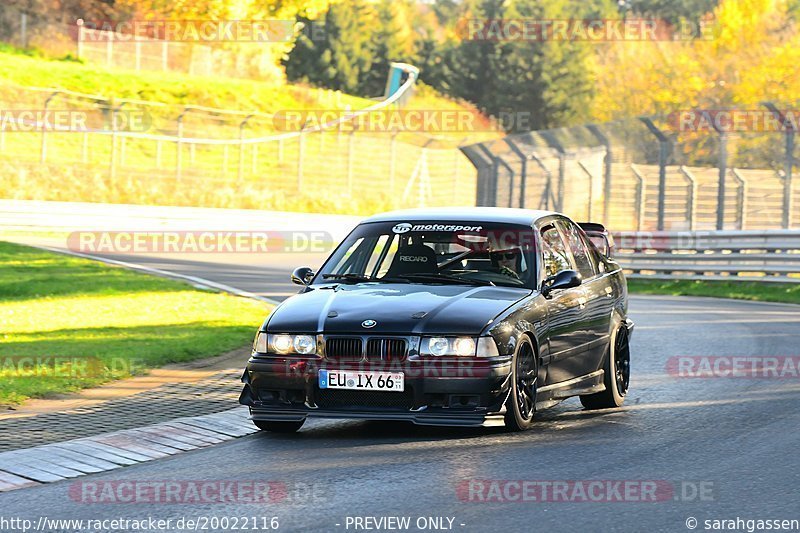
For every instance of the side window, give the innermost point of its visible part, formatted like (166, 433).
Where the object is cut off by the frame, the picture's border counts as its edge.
(554, 252)
(584, 262)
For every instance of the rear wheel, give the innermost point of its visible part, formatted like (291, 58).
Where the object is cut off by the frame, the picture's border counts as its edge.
(278, 427)
(617, 375)
(521, 404)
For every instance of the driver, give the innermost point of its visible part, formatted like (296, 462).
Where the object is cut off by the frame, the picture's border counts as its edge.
(507, 261)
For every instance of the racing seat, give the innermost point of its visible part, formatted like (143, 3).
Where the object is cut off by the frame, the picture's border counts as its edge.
(413, 259)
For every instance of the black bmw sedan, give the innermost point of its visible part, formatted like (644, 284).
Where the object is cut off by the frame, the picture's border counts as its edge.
(467, 317)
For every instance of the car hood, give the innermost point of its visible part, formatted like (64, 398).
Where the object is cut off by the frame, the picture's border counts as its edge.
(396, 309)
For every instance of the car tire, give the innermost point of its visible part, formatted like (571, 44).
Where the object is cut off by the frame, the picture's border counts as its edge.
(521, 403)
(617, 373)
(279, 427)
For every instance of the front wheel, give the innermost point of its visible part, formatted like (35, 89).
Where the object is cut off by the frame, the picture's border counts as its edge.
(521, 404)
(278, 427)
(617, 375)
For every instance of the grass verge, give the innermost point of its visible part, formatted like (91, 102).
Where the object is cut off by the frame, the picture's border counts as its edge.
(740, 290)
(68, 323)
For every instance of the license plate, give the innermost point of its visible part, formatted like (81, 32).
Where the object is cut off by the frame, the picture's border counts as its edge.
(378, 381)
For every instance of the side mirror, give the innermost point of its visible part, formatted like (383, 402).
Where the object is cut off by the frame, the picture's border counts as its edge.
(302, 275)
(563, 280)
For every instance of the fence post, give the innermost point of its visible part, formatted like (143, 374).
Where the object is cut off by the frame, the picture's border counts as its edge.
(788, 201)
(641, 185)
(110, 49)
(112, 164)
(663, 154)
(79, 50)
(523, 173)
(164, 56)
(23, 30)
(600, 136)
(43, 152)
(178, 146)
(547, 194)
(138, 51)
(510, 170)
(723, 171)
(350, 162)
(741, 197)
(562, 167)
(790, 130)
(691, 201)
(492, 196)
(457, 154)
(240, 173)
(483, 165)
(301, 145)
(591, 189)
(392, 162)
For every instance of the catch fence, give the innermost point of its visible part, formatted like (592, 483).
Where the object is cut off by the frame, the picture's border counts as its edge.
(643, 174)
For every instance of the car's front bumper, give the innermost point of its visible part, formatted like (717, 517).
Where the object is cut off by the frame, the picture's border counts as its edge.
(457, 393)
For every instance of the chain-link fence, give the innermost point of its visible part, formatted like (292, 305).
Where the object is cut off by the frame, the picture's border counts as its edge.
(651, 174)
(143, 152)
(88, 41)
(25, 30)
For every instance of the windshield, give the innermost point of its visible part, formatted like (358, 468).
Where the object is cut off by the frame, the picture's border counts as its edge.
(470, 253)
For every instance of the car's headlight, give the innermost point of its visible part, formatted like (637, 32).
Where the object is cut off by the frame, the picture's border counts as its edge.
(437, 346)
(304, 344)
(459, 346)
(281, 343)
(464, 346)
(284, 344)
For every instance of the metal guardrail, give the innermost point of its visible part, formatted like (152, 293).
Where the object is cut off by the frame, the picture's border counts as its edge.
(722, 255)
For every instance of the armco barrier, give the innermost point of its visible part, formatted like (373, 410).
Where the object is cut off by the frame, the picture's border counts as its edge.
(726, 255)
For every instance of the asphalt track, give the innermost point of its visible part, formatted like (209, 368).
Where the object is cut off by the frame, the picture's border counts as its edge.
(717, 448)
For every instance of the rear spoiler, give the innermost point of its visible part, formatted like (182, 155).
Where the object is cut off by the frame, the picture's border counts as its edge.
(599, 236)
